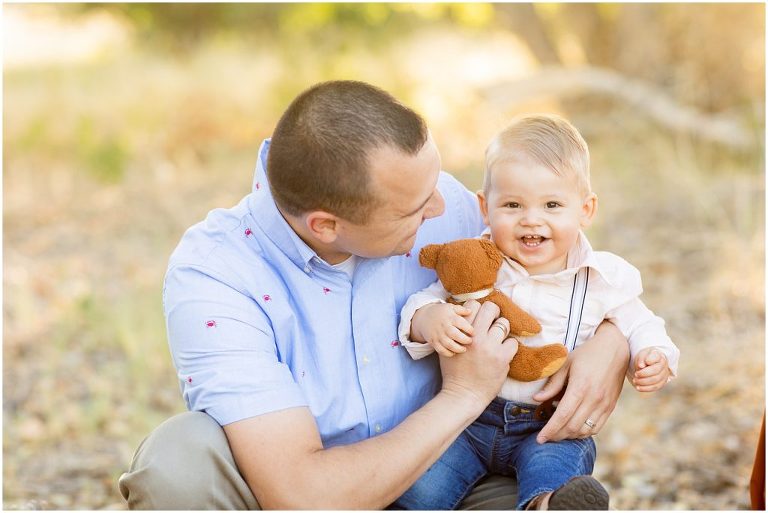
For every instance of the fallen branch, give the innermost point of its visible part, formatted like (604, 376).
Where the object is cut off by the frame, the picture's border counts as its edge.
(648, 99)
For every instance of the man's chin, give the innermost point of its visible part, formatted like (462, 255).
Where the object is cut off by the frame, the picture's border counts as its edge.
(407, 246)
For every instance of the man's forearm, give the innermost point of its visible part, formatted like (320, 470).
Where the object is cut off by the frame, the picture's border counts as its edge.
(342, 477)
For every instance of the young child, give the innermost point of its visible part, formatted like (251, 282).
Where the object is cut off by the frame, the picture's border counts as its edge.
(536, 199)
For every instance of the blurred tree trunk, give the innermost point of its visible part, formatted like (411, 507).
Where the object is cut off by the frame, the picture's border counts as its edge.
(523, 20)
(596, 34)
(643, 49)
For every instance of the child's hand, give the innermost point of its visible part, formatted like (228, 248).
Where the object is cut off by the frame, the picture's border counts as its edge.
(651, 371)
(443, 326)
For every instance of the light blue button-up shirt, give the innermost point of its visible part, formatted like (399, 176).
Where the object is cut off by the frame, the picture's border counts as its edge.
(257, 322)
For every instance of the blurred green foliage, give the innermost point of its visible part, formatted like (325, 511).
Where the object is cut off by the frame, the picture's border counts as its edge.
(104, 154)
(183, 26)
(648, 41)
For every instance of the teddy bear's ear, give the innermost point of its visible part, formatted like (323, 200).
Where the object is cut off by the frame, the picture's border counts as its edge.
(428, 255)
(492, 251)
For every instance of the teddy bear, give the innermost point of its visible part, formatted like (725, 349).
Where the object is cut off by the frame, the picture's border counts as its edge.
(467, 269)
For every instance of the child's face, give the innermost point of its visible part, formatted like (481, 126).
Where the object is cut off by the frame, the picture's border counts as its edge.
(534, 214)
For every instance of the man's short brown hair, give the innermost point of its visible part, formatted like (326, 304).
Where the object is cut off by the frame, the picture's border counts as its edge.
(319, 155)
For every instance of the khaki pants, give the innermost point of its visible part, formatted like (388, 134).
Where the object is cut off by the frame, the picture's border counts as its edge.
(186, 464)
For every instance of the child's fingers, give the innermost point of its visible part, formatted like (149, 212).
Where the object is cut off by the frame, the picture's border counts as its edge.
(462, 310)
(462, 321)
(648, 381)
(640, 358)
(651, 370)
(451, 345)
(459, 336)
(473, 307)
(649, 388)
(653, 357)
(442, 351)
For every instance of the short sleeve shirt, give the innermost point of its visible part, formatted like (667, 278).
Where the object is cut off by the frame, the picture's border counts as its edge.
(257, 322)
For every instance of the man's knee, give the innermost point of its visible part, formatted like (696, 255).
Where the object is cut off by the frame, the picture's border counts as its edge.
(185, 463)
(492, 493)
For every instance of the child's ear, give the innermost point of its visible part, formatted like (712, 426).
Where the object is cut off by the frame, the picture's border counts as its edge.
(483, 206)
(588, 210)
(428, 255)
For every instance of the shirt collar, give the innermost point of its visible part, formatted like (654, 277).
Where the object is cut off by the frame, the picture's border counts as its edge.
(582, 255)
(270, 220)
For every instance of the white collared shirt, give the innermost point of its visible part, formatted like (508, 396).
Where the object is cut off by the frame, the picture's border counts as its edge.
(613, 294)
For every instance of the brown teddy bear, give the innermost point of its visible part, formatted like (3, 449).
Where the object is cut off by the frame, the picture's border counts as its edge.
(467, 268)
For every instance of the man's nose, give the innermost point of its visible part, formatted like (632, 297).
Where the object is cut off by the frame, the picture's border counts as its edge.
(435, 206)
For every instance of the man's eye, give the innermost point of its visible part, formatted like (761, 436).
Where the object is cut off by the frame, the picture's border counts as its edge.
(552, 204)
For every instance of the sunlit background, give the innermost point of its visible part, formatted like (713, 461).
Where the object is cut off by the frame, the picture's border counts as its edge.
(125, 124)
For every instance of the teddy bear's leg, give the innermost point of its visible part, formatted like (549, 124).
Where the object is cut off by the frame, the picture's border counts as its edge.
(521, 324)
(532, 363)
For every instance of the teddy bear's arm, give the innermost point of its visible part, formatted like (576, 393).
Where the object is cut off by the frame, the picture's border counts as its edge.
(521, 324)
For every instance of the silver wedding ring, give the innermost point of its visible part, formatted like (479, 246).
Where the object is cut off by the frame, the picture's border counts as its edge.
(590, 423)
(501, 327)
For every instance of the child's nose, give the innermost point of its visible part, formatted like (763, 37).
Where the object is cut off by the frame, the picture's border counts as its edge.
(531, 218)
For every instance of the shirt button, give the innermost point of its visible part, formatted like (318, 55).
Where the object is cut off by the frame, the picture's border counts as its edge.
(377, 427)
(366, 361)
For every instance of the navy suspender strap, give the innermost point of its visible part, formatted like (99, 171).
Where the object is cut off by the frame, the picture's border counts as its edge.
(579, 294)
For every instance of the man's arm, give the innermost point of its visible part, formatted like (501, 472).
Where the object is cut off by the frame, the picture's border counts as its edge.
(282, 458)
(594, 374)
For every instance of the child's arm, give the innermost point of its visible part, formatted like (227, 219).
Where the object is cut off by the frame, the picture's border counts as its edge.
(425, 317)
(654, 357)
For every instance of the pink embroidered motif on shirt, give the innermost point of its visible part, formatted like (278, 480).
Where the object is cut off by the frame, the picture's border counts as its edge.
(189, 379)
(394, 343)
(408, 254)
(248, 232)
(326, 290)
(210, 324)
(258, 186)
(267, 297)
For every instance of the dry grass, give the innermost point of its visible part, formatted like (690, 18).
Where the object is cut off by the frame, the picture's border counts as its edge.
(106, 164)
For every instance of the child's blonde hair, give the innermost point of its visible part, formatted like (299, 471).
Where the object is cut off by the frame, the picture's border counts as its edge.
(548, 140)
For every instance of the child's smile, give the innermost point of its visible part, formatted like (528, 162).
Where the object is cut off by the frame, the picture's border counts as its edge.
(533, 241)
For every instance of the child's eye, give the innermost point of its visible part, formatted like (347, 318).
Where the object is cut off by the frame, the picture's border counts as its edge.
(512, 204)
(553, 204)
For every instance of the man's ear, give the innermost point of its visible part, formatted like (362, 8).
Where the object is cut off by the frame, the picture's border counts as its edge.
(588, 210)
(428, 255)
(483, 206)
(322, 226)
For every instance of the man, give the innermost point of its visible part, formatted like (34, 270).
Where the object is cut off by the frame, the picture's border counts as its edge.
(282, 322)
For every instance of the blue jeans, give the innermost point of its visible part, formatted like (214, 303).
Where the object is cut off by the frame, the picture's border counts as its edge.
(501, 441)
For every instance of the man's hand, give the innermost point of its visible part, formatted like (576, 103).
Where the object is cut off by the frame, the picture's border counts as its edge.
(478, 373)
(651, 370)
(594, 374)
(443, 326)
